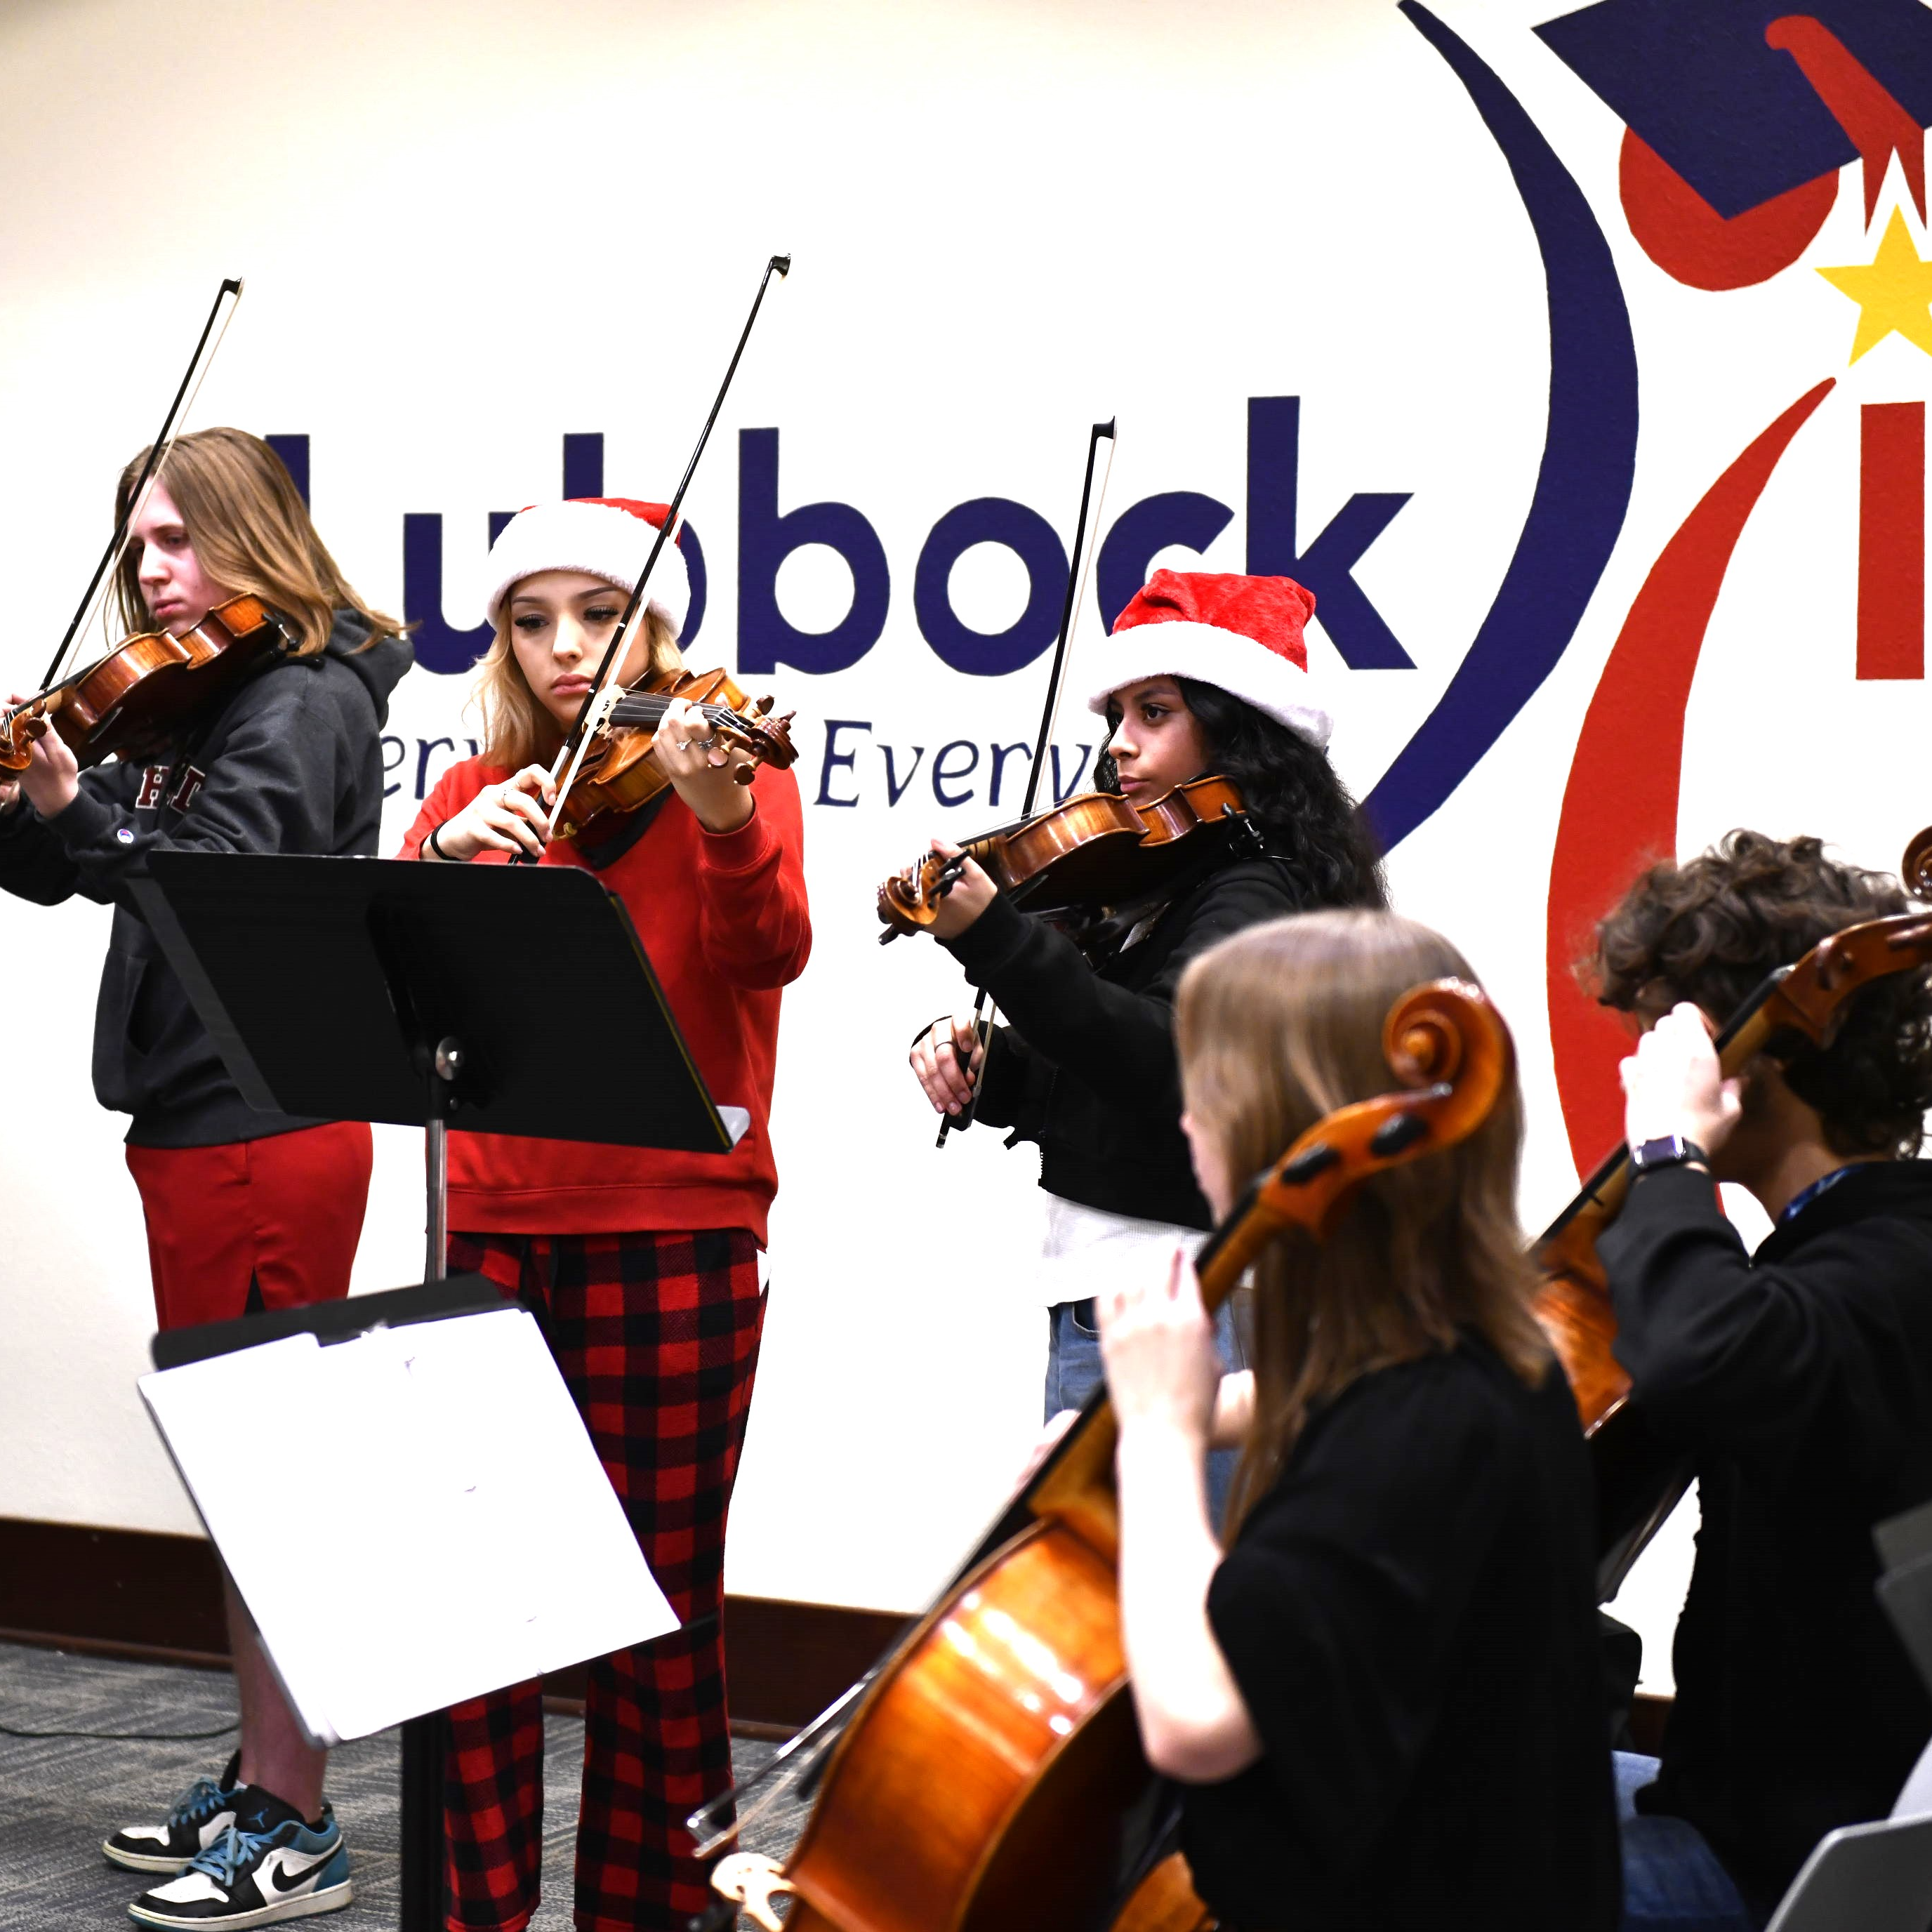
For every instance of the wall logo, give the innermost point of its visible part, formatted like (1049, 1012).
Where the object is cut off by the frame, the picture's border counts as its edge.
(1739, 118)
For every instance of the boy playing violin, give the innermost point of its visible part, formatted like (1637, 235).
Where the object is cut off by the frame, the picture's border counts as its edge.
(1383, 1701)
(244, 1209)
(642, 1265)
(1799, 1377)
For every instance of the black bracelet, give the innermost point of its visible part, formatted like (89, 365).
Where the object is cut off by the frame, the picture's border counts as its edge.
(431, 843)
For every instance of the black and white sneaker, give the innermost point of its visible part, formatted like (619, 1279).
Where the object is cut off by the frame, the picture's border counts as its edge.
(268, 1866)
(206, 1810)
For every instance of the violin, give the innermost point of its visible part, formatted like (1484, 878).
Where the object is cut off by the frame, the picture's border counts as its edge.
(1095, 849)
(982, 1776)
(138, 697)
(617, 774)
(1638, 1482)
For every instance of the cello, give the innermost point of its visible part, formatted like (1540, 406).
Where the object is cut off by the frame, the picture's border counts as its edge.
(988, 1774)
(1640, 1481)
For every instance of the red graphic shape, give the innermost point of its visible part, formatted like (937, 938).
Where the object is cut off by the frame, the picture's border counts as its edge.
(1688, 239)
(1891, 540)
(1620, 805)
(1874, 121)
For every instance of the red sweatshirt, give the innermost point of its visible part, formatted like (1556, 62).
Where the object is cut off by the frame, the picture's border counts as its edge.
(723, 918)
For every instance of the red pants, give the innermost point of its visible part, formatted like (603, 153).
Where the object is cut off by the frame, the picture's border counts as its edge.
(253, 1224)
(657, 1336)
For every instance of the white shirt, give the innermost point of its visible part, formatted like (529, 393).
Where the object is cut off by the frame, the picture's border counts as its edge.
(1086, 1250)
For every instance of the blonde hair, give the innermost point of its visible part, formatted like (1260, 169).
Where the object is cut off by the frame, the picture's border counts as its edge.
(1277, 1027)
(252, 532)
(516, 727)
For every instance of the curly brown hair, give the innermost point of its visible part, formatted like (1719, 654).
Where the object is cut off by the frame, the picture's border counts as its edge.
(1712, 931)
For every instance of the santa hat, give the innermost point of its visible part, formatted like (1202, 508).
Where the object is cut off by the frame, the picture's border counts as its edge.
(608, 537)
(1241, 635)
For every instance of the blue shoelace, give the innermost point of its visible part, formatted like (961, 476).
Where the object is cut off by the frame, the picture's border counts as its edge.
(224, 1859)
(204, 1798)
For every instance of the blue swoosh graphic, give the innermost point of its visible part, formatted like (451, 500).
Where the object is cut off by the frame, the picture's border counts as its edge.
(1582, 487)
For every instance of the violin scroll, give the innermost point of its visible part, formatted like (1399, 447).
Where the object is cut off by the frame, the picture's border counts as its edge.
(1915, 869)
(1451, 1051)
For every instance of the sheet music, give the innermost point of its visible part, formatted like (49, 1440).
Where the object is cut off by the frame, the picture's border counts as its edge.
(473, 1540)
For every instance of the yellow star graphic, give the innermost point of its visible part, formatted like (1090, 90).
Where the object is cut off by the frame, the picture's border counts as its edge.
(1893, 291)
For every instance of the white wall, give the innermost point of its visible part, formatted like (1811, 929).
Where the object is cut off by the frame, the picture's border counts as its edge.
(468, 230)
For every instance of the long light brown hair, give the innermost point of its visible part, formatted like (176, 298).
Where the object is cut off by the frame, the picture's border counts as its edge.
(1278, 1026)
(251, 531)
(517, 730)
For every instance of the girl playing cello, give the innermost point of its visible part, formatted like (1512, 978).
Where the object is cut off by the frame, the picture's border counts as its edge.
(642, 1265)
(1384, 1700)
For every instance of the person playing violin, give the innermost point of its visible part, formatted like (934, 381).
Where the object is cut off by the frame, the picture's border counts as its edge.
(642, 1264)
(1203, 673)
(244, 1210)
(1384, 1701)
(1799, 1376)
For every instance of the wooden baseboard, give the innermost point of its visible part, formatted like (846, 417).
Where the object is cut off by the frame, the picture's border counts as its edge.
(137, 1593)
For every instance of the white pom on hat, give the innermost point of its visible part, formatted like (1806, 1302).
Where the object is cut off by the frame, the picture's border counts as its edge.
(609, 537)
(1242, 634)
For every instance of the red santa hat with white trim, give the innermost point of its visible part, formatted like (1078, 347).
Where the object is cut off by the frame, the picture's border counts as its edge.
(609, 537)
(1242, 634)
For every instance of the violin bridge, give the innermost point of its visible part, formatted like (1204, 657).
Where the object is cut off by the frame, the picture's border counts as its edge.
(751, 1880)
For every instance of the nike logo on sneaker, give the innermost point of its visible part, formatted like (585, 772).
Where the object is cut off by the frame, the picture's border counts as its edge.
(284, 1874)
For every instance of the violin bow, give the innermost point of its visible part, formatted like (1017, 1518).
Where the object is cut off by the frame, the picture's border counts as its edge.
(578, 742)
(1078, 570)
(228, 297)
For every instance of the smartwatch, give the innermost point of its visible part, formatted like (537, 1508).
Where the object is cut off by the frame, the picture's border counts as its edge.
(1671, 1151)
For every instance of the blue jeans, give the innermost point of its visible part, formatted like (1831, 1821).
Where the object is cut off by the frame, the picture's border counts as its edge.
(1073, 1372)
(1672, 1879)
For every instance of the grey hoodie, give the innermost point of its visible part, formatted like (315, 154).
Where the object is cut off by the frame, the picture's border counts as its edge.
(292, 763)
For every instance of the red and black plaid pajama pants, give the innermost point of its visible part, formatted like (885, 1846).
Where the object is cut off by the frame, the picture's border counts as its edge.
(657, 1336)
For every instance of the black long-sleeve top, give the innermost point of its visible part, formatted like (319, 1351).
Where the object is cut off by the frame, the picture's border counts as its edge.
(1802, 1378)
(1087, 1065)
(292, 763)
(1409, 1616)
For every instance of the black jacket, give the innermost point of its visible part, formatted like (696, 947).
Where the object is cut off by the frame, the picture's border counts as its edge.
(293, 763)
(1408, 1613)
(1802, 1378)
(1086, 1066)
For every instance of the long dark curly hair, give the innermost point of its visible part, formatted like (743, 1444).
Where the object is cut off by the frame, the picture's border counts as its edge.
(1293, 794)
(1712, 930)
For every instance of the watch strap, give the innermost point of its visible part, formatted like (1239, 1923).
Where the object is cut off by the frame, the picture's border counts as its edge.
(1668, 1151)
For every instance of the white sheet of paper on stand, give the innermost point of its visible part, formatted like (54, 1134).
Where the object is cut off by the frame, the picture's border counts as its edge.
(471, 1538)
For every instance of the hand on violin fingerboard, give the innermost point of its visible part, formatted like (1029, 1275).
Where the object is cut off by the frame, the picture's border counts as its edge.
(702, 768)
(512, 817)
(968, 896)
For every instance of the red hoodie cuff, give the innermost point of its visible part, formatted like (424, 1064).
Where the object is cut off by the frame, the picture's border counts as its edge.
(743, 850)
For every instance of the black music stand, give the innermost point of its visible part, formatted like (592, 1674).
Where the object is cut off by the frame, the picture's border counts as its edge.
(508, 1000)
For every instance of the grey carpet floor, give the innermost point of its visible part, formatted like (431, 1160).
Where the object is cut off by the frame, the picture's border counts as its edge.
(59, 1797)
